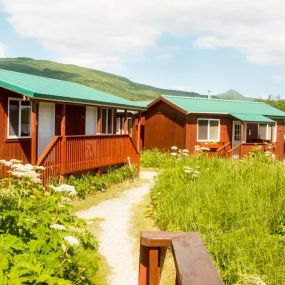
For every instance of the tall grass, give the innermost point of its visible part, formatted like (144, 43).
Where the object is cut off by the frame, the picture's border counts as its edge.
(237, 206)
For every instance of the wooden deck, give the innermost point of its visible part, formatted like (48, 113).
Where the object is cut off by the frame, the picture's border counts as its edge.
(71, 154)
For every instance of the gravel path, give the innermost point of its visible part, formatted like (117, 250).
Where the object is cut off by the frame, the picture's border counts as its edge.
(115, 242)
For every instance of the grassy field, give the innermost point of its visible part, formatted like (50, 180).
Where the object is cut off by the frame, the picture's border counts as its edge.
(237, 206)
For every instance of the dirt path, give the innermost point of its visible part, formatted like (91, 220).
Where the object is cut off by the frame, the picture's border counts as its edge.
(115, 242)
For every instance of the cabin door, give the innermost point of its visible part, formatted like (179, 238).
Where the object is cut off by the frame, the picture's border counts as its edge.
(46, 127)
(236, 136)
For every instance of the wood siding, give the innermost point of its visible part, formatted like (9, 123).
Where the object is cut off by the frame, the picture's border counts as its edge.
(279, 146)
(226, 123)
(164, 127)
(11, 148)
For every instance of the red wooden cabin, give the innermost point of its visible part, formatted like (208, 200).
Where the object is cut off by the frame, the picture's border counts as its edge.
(64, 126)
(222, 126)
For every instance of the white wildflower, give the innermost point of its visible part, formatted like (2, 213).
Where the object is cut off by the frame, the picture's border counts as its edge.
(58, 227)
(252, 279)
(36, 180)
(197, 148)
(203, 148)
(185, 150)
(173, 154)
(72, 240)
(5, 163)
(39, 167)
(174, 147)
(22, 167)
(69, 189)
(15, 161)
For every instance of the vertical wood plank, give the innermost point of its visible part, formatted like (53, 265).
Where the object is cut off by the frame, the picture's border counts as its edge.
(154, 266)
(63, 140)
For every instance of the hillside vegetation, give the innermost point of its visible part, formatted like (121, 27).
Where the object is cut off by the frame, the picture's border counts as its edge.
(103, 81)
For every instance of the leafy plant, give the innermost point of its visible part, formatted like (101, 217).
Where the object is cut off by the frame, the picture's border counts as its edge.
(41, 241)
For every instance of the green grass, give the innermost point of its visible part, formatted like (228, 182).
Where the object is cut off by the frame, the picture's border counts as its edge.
(237, 206)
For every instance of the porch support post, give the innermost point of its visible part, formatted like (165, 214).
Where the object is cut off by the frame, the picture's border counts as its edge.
(98, 129)
(241, 137)
(63, 140)
(126, 122)
(138, 143)
(34, 133)
(114, 121)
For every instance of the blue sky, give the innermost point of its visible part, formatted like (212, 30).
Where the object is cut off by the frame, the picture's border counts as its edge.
(170, 47)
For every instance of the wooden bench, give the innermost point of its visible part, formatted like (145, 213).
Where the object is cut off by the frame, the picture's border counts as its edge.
(193, 263)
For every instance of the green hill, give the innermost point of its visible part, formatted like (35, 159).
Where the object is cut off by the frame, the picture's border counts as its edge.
(232, 95)
(104, 81)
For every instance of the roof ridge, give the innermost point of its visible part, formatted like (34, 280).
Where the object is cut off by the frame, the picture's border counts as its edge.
(213, 99)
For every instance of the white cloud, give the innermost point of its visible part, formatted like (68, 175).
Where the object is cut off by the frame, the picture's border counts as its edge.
(104, 33)
(2, 50)
(280, 78)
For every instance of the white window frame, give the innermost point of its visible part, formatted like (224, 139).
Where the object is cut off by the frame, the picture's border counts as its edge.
(268, 131)
(20, 120)
(208, 131)
(107, 121)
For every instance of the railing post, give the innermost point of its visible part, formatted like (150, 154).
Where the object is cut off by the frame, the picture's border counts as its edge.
(63, 141)
(126, 122)
(34, 133)
(98, 127)
(149, 266)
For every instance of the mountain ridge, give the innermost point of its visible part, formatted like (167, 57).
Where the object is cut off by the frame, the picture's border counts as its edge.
(101, 80)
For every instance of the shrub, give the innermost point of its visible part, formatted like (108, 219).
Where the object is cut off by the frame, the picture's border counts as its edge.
(237, 206)
(90, 183)
(156, 159)
(41, 241)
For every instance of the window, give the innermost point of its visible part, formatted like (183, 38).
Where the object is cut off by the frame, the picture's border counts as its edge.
(208, 130)
(118, 125)
(107, 121)
(237, 131)
(130, 126)
(19, 118)
(267, 131)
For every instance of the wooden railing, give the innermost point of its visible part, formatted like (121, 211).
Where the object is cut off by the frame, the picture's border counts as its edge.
(69, 154)
(243, 149)
(192, 261)
(50, 159)
(235, 152)
(221, 151)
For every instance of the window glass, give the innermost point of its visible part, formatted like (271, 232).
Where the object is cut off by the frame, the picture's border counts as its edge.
(130, 125)
(118, 125)
(14, 118)
(104, 121)
(110, 121)
(214, 130)
(262, 131)
(237, 132)
(202, 129)
(25, 118)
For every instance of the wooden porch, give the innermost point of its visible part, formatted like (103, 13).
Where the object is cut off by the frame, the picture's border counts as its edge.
(71, 154)
(67, 154)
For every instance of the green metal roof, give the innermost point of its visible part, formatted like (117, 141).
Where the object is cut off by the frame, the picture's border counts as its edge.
(219, 106)
(38, 87)
(252, 118)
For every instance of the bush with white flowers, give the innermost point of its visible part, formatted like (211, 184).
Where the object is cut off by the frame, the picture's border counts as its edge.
(41, 240)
